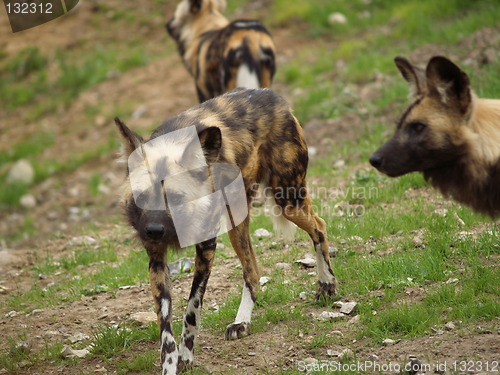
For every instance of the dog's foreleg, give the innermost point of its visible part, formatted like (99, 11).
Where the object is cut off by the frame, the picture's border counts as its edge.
(203, 265)
(159, 278)
(240, 239)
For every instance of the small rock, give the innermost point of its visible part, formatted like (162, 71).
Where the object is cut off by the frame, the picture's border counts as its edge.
(68, 352)
(450, 326)
(251, 354)
(388, 342)
(36, 311)
(264, 280)
(11, 314)
(337, 333)
(21, 172)
(348, 308)
(333, 353)
(337, 18)
(307, 262)
(333, 251)
(354, 320)
(27, 201)
(261, 233)
(338, 164)
(302, 295)
(79, 336)
(373, 358)
(183, 265)
(437, 331)
(282, 266)
(143, 318)
(103, 316)
(330, 315)
(451, 281)
(83, 240)
(310, 361)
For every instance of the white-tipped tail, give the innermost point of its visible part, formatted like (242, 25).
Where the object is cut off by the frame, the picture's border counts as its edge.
(247, 78)
(281, 224)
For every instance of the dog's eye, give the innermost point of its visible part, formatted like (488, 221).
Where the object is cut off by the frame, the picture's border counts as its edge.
(417, 126)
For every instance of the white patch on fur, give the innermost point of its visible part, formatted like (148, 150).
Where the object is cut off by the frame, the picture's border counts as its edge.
(281, 224)
(166, 368)
(246, 78)
(324, 274)
(164, 307)
(246, 306)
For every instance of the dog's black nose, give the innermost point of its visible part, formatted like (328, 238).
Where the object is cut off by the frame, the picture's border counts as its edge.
(155, 231)
(376, 160)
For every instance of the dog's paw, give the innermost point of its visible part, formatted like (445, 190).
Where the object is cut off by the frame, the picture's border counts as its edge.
(326, 290)
(237, 330)
(184, 365)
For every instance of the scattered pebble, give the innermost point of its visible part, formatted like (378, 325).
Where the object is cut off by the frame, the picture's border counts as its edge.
(373, 358)
(348, 307)
(333, 251)
(79, 336)
(451, 281)
(337, 333)
(450, 326)
(27, 201)
(303, 295)
(282, 266)
(310, 361)
(337, 18)
(312, 151)
(330, 315)
(261, 233)
(21, 172)
(68, 352)
(388, 342)
(264, 280)
(307, 262)
(338, 164)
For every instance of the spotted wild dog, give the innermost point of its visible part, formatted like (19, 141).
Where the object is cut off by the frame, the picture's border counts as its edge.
(221, 55)
(254, 132)
(449, 134)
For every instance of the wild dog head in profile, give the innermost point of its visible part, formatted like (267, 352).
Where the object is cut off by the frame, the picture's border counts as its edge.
(449, 134)
(221, 55)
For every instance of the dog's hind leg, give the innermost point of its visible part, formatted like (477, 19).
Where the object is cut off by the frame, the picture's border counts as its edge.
(205, 252)
(159, 278)
(304, 217)
(240, 239)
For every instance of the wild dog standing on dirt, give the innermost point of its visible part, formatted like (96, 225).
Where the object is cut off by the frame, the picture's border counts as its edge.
(221, 55)
(449, 134)
(255, 131)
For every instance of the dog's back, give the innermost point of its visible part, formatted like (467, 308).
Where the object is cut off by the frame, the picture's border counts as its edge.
(221, 55)
(259, 133)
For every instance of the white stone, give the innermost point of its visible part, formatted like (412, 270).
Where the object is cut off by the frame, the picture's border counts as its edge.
(337, 18)
(261, 232)
(21, 172)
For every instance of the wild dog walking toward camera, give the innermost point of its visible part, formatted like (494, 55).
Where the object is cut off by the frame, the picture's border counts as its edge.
(255, 131)
(449, 134)
(221, 55)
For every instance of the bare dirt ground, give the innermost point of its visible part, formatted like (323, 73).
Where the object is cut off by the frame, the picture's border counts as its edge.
(163, 88)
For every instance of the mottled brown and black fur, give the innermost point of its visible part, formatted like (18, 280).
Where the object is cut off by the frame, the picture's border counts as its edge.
(256, 131)
(448, 134)
(221, 55)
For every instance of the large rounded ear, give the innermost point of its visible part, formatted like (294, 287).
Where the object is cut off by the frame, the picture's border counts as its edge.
(414, 75)
(131, 140)
(449, 83)
(211, 143)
